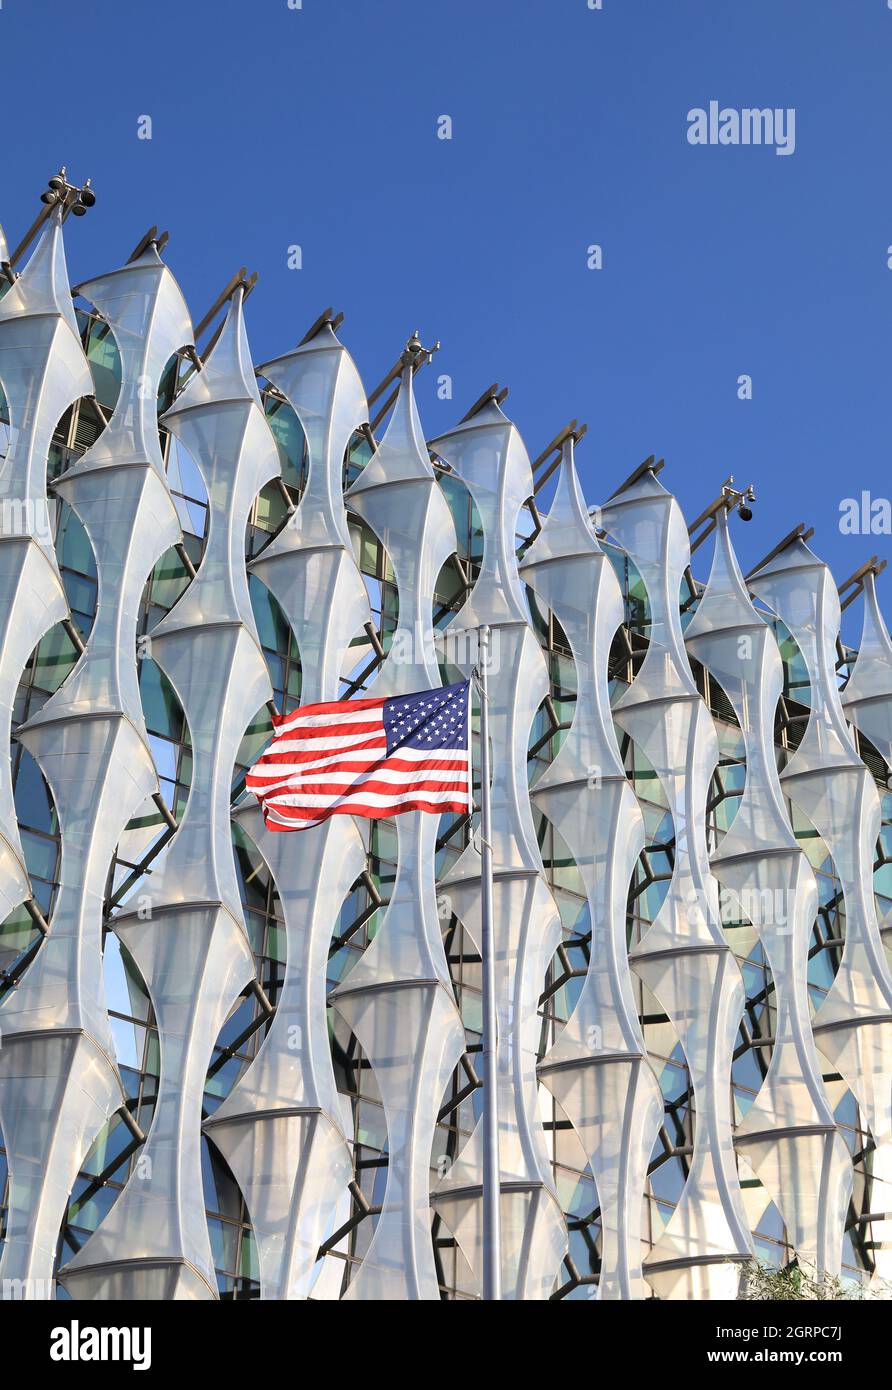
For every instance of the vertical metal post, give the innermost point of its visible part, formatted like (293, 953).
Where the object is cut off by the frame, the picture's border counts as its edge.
(492, 1272)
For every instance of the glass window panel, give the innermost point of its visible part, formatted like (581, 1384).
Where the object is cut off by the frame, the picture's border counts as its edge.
(33, 803)
(41, 854)
(105, 363)
(163, 712)
(73, 546)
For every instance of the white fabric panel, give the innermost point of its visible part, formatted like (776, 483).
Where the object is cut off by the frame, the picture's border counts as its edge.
(89, 738)
(597, 1068)
(398, 998)
(788, 1136)
(488, 454)
(867, 699)
(830, 785)
(43, 370)
(683, 956)
(187, 934)
(280, 1127)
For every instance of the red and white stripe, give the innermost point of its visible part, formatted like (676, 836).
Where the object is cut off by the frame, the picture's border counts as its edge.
(331, 759)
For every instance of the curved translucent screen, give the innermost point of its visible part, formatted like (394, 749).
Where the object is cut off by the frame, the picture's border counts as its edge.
(398, 999)
(597, 1069)
(280, 1128)
(191, 946)
(829, 784)
(55, 1028)
(43, 370)
(488, 454)
(683, 957)
(788, 1135)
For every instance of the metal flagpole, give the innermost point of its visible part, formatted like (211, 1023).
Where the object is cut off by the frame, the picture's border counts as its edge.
(492, 1272)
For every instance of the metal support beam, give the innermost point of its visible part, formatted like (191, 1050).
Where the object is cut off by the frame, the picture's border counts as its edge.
(152, 238)
(492, 393)
(856, 580)
(798, 533)
(327, 316)
(241, 277)
(650, 465)
(554, 452)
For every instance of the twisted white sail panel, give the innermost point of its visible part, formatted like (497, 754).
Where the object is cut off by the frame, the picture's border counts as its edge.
(597, 1068)
(683, 957)
(488, 455)
(281, 1127)
(788, 1136)
(58, 1079)
(189, 940)
(867, 699)
(829, 783)
(398, 999)
(43, 371)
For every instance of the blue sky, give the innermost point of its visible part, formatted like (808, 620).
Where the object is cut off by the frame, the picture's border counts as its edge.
(317, 127)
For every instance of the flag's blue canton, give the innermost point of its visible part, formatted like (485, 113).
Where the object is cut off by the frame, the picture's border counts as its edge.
(434, 719)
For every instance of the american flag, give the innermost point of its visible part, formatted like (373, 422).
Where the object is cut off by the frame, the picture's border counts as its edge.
(374, 758)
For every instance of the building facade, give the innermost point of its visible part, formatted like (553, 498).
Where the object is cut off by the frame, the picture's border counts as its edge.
(241, 1064)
